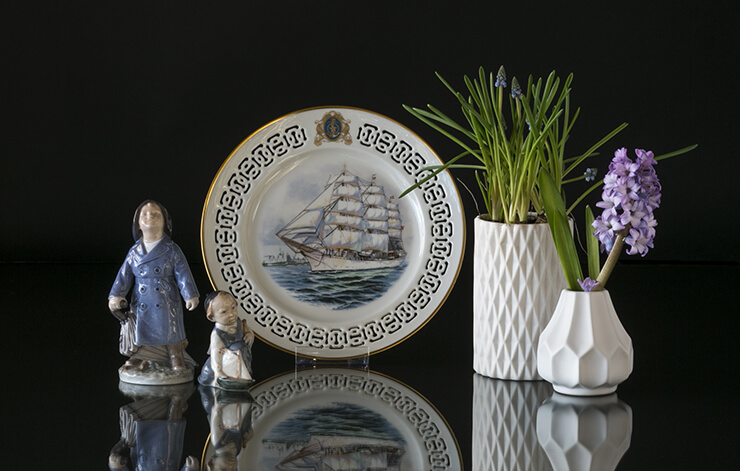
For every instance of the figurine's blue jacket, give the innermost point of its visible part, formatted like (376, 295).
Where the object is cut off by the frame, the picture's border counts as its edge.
(156, 279)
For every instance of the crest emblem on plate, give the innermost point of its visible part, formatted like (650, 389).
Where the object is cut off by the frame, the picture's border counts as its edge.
(332, 127)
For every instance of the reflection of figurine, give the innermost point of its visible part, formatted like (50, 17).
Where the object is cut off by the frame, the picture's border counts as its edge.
(156, 273)
(229, 365)
(230, 417)
(152, 430)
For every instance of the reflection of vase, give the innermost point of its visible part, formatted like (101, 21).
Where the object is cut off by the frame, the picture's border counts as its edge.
(584, 433)
(504, 430)
(584, 350)
(516, 282)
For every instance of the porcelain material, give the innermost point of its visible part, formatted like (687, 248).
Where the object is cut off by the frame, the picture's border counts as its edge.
(283, 242)
(517, 278)
(229, 364)
(504, 425)
(156, 275)
(584, 433)
(584, 350)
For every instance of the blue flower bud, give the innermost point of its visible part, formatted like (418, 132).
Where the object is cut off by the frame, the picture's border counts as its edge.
(501, 77)
(590, 174)
(516, 90)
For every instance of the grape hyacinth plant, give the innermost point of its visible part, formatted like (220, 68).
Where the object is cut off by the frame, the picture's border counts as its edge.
(507, 148)
(631, 193)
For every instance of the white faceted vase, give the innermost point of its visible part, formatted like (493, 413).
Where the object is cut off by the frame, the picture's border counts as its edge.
(517, 278)
(584, 433)
(504, 424)
(584, 350)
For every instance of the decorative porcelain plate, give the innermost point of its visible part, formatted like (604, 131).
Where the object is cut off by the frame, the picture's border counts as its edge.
(335, 418)
(303, 225)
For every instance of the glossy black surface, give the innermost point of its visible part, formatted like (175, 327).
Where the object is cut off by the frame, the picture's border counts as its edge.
(62, 395)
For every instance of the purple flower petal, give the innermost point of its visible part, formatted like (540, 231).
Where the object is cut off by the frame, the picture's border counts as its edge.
(588, 284)
(630, 194)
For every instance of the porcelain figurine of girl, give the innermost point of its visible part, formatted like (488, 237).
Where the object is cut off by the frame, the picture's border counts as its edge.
(156, 274)
(229, 364)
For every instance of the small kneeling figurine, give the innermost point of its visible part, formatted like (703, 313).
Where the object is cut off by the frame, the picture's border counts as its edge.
(229, 365)
(157, 275)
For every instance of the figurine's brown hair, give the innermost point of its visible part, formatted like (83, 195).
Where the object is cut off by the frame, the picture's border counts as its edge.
(167, 221)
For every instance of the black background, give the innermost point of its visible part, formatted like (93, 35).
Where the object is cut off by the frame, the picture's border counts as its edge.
(108, 103)
(105, 104)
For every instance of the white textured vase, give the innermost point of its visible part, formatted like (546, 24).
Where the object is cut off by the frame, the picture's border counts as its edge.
(504, 425)
(584, 350)
(517, 278)
(584, 433)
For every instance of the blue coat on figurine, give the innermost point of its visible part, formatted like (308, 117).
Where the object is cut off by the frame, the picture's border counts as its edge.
(156, 274)
(158, 279)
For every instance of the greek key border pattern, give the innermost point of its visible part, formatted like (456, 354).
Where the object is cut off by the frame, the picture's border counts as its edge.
(416, 414)
(231, 202)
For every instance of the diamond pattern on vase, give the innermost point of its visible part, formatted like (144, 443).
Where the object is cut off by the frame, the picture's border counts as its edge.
(517, 278)
(504, 425)
(580, 433)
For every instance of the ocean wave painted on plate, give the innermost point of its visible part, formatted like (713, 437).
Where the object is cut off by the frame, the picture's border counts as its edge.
(335, 290)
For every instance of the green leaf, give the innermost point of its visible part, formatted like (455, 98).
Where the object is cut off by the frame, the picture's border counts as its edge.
(566, 248)
(585, 193)
(677, 152)
(489, 209)
(560, 229)
(436, 169)
(594, 147)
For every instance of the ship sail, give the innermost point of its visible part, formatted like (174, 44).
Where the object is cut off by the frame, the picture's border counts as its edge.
(351, 225)
(395, 228)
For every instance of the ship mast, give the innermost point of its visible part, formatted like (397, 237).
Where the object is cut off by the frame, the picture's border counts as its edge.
(351, 225)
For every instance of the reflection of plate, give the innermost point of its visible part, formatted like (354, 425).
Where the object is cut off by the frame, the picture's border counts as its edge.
(303, 225)
(342, 416)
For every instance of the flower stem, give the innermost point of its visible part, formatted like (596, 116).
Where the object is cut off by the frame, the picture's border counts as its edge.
(611, 260)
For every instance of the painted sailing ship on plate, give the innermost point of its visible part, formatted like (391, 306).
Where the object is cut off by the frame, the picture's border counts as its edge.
(351, 225)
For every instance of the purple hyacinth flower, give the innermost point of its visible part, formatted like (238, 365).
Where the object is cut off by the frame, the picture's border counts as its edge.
(647, 225)
(620, 155)
(631, 194)
(639, 242)
(645, 159)
(633, 213)
(588, 284)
